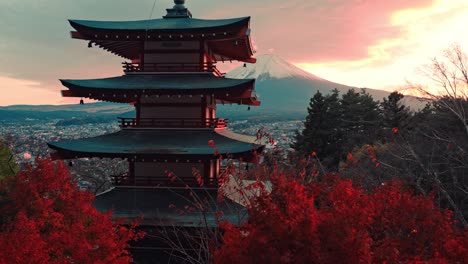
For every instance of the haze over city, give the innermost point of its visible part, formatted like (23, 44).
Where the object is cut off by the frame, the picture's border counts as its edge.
(376, 44)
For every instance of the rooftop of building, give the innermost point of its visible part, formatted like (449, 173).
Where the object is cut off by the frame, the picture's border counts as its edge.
(149, 144)
(225, 39)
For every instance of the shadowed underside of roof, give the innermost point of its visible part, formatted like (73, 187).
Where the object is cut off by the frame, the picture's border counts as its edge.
(163, 206)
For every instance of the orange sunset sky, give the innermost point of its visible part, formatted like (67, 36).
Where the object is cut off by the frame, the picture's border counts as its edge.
(365, 43)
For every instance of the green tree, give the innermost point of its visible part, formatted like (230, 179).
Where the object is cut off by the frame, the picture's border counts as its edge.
(321, 134)
(360, 119)
(335, 126)
(7, 165)
(394, 113)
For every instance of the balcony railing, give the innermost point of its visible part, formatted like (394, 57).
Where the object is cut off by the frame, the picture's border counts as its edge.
(173, 122)
(171, 67)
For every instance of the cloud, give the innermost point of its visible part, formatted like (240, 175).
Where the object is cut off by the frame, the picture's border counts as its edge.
(321, 30)
(424, 32)
(36, 43)
(35, 40)
(25, 92)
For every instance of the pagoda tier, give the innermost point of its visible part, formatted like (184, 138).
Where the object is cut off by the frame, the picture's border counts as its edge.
(222, 39)
(167, 215)
(131, 88)
(153, 153)
(160, 145)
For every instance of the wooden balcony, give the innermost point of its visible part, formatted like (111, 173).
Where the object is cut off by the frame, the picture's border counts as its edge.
(171, 67)
(173, 122)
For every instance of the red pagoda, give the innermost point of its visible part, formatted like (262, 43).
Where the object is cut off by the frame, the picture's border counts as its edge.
(171, 78)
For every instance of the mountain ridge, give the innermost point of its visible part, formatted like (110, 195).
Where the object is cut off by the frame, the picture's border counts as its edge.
(282, 86)
(270, 66)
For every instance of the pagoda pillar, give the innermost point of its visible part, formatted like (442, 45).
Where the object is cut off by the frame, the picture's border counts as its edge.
(207, 173)
(138, 112)
(203, 118)
(131, 173)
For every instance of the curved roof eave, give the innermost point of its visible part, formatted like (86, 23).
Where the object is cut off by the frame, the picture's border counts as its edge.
(157, 143)
(163, 24)
(158, 82)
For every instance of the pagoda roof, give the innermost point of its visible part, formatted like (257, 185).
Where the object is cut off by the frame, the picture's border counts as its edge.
(162, 24)
(161, 206)
(124, 88)
(188, 82)
(159, 144)
(227, 39)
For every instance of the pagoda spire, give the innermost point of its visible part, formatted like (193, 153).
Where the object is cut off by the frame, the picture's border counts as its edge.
(178, 11)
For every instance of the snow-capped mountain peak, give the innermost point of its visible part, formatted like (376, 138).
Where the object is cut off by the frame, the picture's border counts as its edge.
(270, 66)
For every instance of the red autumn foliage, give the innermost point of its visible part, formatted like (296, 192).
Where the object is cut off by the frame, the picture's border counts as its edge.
(335, 221)
(46, 219)
(211, 143)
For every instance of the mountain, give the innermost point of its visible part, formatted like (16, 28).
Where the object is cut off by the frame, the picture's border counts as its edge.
(91, 108)
(284, 88)
(269, 67)
(102, 110)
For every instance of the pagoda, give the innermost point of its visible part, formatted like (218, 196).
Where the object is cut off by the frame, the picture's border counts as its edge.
(175, 141)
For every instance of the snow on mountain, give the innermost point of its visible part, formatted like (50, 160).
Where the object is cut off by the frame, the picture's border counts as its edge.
(283, 88)
(270, 66)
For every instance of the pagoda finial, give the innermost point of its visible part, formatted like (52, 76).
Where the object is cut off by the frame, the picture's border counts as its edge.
(178, 11)
(179, 4)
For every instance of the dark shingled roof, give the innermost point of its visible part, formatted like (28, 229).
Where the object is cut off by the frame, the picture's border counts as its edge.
(154, 143)
(163, 206)
(160, 82)
(165, 24)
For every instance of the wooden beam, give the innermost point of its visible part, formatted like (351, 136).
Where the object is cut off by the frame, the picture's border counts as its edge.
(152, 51)
(67, 93)
(78, 35)
(171, 104)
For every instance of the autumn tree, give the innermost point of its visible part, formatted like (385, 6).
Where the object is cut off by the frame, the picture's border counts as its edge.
(46, 219)
(448, 83)
(334, 221)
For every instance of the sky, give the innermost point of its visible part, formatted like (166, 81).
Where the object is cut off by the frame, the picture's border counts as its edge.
(378, 44)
